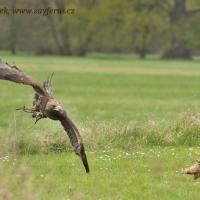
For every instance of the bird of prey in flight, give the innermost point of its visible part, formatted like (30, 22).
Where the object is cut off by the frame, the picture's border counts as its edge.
(45, 106)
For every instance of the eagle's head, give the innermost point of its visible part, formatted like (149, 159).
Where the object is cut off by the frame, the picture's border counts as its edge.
(54, 110)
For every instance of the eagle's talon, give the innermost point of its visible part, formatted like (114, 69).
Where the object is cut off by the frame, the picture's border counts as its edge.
(27, 110)
(37, 119)
(45, 106)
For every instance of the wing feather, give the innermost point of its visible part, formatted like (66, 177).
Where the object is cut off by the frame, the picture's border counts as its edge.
(14, 74)
(47, 85)
(75, 139)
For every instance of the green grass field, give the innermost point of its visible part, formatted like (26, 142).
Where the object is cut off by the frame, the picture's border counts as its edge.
(140, 120)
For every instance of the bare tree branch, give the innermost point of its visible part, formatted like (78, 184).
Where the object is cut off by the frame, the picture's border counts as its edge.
(163, 4)
(53, 29)
(60, 5)
(193, 12)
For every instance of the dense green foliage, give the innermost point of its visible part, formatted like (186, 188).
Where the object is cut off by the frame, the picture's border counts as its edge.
(141, 26)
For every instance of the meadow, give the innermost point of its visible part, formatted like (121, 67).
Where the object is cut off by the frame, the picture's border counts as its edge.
(140, 120)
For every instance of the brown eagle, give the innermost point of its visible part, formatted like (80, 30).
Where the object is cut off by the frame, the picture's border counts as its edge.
(45, 106)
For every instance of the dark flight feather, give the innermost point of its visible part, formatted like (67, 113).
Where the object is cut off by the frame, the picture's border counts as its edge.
(47, 85)
(75, 139)
(14, 74)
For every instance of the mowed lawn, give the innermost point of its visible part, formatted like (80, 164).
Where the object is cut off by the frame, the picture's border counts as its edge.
(152, 173)
(102, 89)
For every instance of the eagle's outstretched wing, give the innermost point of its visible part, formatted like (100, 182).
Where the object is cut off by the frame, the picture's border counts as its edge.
(12, 73)
(75, 139)
(47, 85)
(43, 93)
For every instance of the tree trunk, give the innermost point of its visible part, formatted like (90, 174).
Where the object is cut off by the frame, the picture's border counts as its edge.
(13, 50)
(142, 54)
(13, 30)
(143, 48)
(178, 19)
(61, 37)
(178, 50)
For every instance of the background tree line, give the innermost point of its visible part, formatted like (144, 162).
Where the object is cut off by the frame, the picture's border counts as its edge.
(170, 28)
